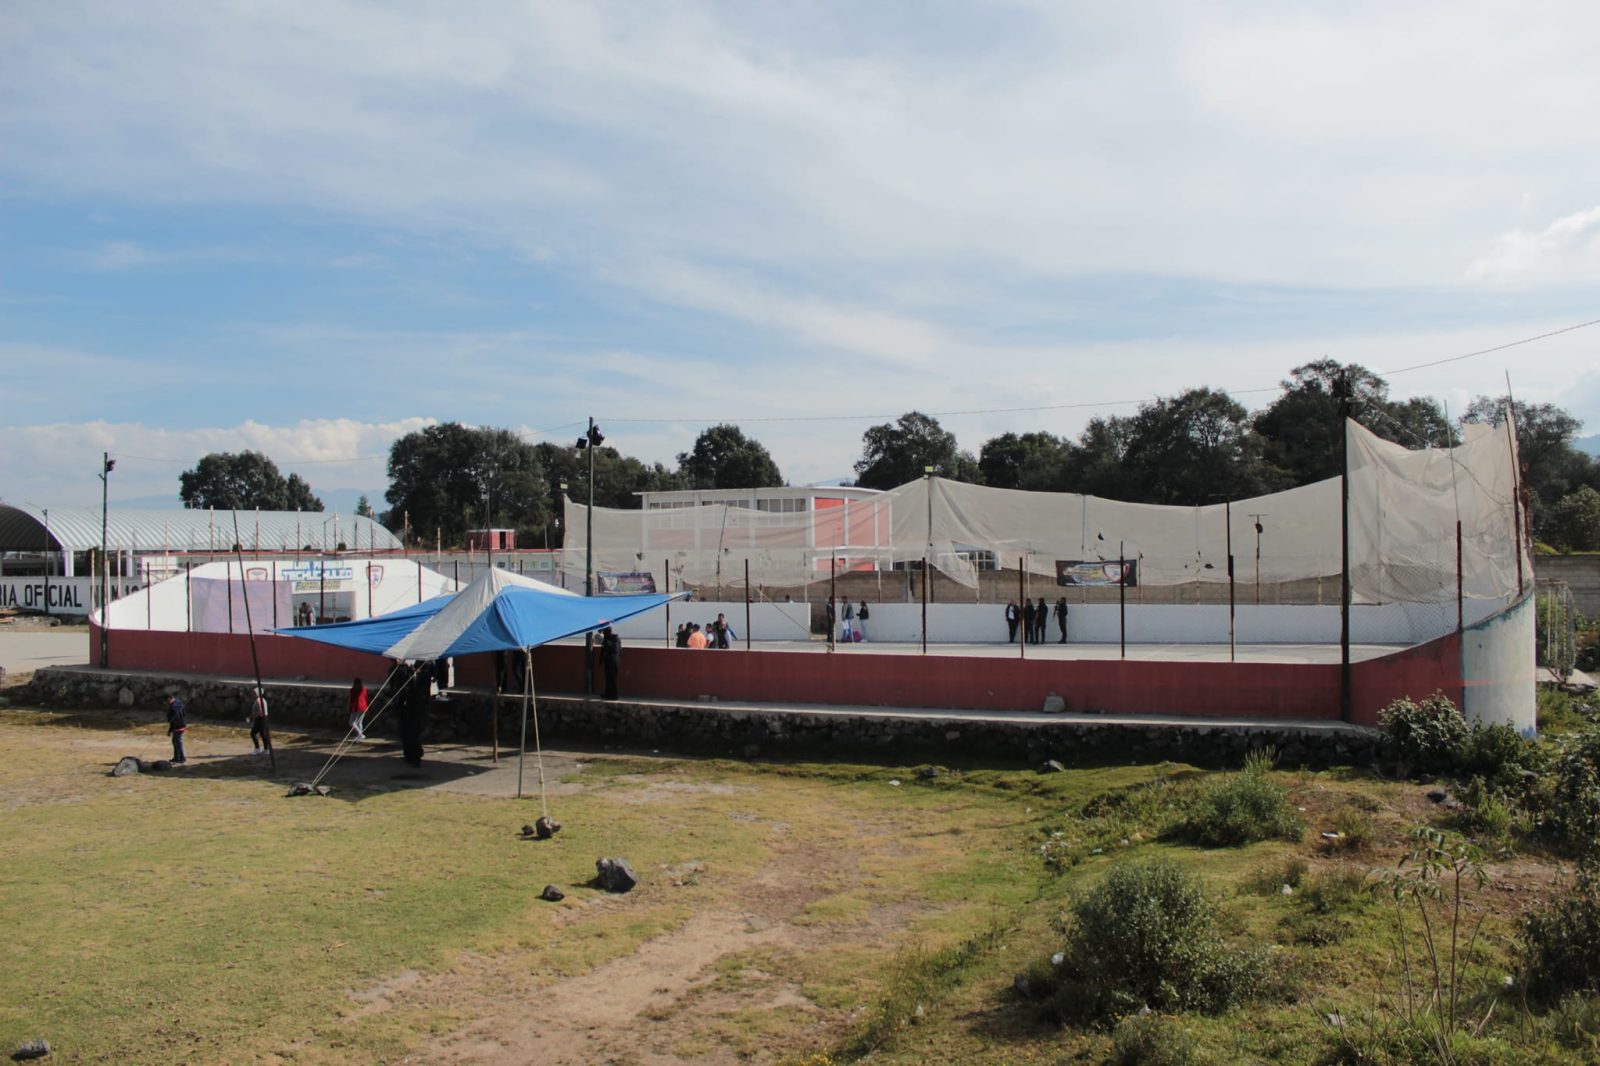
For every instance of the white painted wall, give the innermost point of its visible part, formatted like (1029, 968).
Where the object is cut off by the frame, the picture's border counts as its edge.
(1498, 669)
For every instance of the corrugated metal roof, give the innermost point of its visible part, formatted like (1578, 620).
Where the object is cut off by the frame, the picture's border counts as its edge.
(77, 529)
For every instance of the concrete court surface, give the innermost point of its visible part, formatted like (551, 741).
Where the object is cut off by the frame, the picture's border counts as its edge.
(23, 651)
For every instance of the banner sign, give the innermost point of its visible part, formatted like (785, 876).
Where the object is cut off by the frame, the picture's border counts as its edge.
(624, 583)
(1097, 573)
(58, 595)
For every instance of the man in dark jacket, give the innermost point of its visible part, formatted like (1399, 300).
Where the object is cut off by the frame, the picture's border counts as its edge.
(611, 659)
(1012, 617)
(1027, 620)
(177, 725)
(1061, 618)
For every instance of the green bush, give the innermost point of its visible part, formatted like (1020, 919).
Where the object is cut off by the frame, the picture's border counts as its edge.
(1559, 942)
(1430, 735)
(1269, 880)
(1573, 794)
(1146, 936)
(1242, 808)
(1500, 753)
(1151, 1040)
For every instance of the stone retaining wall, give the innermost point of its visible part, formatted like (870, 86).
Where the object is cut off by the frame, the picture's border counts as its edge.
(740, 732)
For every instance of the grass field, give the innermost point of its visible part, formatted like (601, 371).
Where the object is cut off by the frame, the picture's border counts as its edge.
(787, 913)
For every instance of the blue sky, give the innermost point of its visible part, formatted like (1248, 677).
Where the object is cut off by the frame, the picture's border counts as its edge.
(309, 228)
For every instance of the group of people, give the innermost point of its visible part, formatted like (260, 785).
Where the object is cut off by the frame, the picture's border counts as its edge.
(718, 634)
(854, 619)
(1034, 618)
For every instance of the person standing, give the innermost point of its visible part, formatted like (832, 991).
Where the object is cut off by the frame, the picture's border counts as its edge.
(414, 711)
(697, 637)
(1011, 621)
(1027, 620)
(1041, 620)
(1061, 618)
(722, 632)
(832, 618)
(260, 731)
(177, 725)
(611, 658)
(849, 621)
(358, 707)
(861, 622)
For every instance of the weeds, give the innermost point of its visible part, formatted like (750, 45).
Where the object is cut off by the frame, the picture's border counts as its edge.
(1559, 942)
(917, 979)
(1242, 808)
(1269, 880)
(1151, 1039)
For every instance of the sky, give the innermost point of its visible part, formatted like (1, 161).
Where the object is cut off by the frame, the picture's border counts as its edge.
(310, 228)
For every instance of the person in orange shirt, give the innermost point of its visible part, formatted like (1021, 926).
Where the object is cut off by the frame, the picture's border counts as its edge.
(697, 639)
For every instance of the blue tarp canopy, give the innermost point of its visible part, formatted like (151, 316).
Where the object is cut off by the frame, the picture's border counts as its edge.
(499, 611)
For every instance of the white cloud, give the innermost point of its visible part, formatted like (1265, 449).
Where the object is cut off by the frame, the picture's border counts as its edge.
(57, 463)
(1348, 146)
(1567, 250)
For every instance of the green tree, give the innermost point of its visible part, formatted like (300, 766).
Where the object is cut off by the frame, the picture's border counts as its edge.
(892, 455)
(244, 480)
(1096, 469)
(364, 507)
(724, 458)
(1552, 467)
(452, 478)
(1574, 523)
(1036, 462)
(1193, 448)
(1302, 433)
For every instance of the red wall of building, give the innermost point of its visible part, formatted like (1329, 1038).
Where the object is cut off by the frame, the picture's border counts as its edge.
(862, 678)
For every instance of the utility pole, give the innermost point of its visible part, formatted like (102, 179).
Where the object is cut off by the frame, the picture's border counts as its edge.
(589, 442)
(107, 464)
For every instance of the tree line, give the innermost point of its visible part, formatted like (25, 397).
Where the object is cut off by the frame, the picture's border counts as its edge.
(1197, 447)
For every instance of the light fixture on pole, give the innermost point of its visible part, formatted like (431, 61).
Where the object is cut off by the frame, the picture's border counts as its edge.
(1259, 530)
(590, 441)
(107, 464)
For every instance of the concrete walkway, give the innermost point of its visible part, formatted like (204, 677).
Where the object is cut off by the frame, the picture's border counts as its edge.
(23, 651)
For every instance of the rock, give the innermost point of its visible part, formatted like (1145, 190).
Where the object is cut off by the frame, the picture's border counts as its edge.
(895, 781)
(1438, 795)
(1051, 767)
(527, 830)
(1021, 987)
(126, 765)
(1287, 890)
(156, 766)
(31, 1049)
(1142, 1011)
(928, 773)
(546, 827)
(1054, 704)
(552, 894)
(125, 697)
(305, 788)
(615, 875)
(1057, 959)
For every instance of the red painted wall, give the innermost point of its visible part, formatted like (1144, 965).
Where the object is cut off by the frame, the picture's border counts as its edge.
(862, 678)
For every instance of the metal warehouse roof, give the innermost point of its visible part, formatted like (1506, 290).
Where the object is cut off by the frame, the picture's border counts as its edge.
(77, 529)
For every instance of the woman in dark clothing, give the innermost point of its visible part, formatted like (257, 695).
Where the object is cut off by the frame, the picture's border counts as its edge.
(611, 659)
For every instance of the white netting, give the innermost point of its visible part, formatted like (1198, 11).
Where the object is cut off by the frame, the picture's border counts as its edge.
(1403, 511)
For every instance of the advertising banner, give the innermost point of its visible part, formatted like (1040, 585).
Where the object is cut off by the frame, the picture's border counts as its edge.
(624, 583)
(57, 595)
(1098, 573)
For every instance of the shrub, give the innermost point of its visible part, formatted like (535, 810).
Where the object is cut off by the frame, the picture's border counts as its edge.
(1559, 940)
(1430, 735)
(1484, 812)
(1354, 827)
(1500, 753)
(1344, 888)
(1151, 1040)
(1269, 880)
(1573, 796)
(1146, 936)
(1242, 808)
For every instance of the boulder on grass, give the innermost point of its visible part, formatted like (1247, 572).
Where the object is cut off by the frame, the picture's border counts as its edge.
(546, 827)
(615, 875)
(31, 1049)
(553, 894)
(126, 765)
